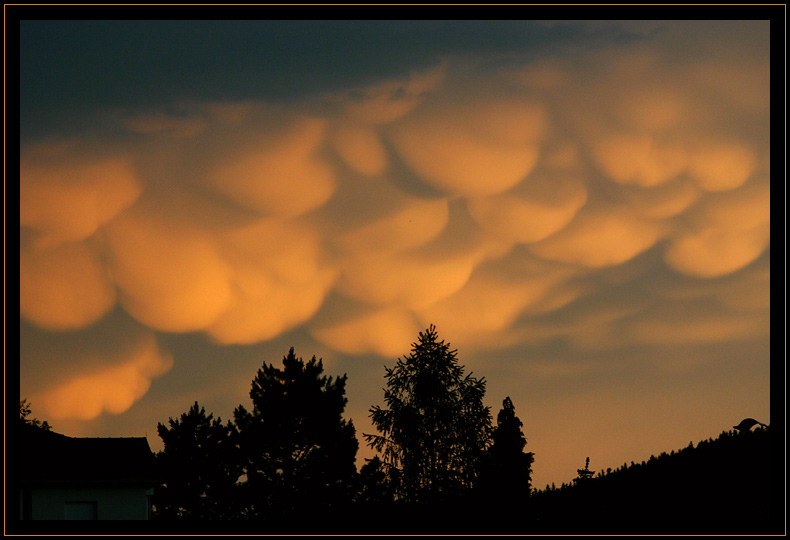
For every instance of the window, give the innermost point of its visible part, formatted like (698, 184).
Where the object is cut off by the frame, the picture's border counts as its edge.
(81, 510)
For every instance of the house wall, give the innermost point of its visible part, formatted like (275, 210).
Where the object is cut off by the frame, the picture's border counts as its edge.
(112, 503)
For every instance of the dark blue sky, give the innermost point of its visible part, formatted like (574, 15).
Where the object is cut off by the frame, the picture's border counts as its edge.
(71, 67)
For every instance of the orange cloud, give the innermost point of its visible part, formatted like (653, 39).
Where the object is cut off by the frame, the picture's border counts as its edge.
(415, 225)
(643, 160)
(713, 252)
(260, 316)
(110, 389)
(64, 287)
(746, 291)
(388, 332)
(471, 148)
(598, 238)
(68, 198)
(664, 201)
(279, 278)
(534, 216)
(425, 274)
(511, 154)
(722, 166)
(411, 281)
(491, 302)
(360, 148)
(171, 278)
(279, 174)
(727, 233)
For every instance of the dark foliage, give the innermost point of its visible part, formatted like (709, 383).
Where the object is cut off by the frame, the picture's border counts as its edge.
(375, 497)
(727, 480)
(435, 429)
(506, 480)
(291, 460)
(298, 452)
(25, 411)
(584, 474)
(199, 468)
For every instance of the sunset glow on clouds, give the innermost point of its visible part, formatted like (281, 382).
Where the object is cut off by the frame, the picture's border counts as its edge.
(613, 200)
(112, 390)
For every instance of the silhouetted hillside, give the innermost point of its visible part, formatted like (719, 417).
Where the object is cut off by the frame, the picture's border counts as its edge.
(729, 479)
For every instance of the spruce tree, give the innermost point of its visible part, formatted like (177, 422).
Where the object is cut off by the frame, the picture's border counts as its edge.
(507, 478)
(435, 429)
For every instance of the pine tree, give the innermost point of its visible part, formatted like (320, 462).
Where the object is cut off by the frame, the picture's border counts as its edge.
(199, 467)
(298, 450)
(435, 429)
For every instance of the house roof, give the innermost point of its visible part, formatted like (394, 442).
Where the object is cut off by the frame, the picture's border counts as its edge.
(52, 458)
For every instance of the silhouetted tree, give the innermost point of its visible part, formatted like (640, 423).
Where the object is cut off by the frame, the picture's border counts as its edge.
(376, 489)
(298, 451)
(199, 467)
(25, 412)
(729, 481)
(507, 477)
(585, 473)
(435, 429)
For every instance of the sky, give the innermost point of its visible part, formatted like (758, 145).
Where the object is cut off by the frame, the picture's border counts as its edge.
(581, 208)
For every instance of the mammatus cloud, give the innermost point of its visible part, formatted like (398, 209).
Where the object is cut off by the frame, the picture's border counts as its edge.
(540, 206)
(279, 173)
(67, 192)
(470, 148)
(359, 147)
(663, 202)
(483, 204)
(721, 167)
(726, 233)
(600, 237)
(64, 287)
(110, 389)
(483, 310)
(640, 159)
(279, 279)
(170, 278)
(383, 331)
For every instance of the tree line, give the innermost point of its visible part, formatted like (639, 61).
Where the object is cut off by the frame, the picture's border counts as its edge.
(733, 480)
(292, 454)
(439, 455)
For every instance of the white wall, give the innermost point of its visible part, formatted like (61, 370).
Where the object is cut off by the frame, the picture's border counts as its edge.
(113, 503)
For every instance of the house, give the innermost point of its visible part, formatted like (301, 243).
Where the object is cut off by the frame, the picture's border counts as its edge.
(65, 477)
